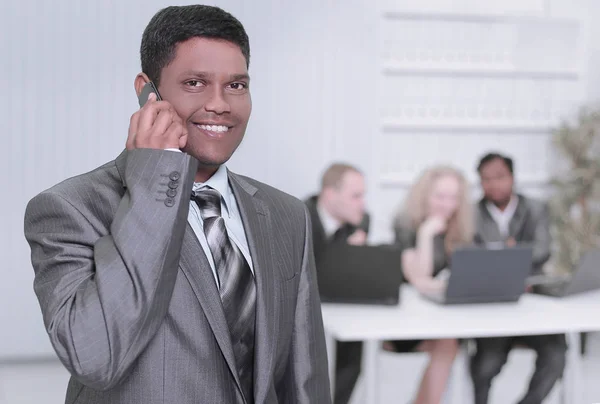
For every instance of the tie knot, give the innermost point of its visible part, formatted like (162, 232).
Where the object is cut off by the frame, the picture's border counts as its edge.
(209, 202)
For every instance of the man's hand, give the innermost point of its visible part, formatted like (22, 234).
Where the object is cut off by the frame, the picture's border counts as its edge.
(156, 126)
(511, 242)
(359, 237)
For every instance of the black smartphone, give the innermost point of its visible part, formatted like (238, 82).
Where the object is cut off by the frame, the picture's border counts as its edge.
(149, 87)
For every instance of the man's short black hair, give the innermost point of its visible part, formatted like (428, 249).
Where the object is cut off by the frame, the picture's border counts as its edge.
(496, 156)
(176, 24)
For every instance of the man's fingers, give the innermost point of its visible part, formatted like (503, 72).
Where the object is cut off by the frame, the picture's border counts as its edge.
(149, 113)
(176, 132)
(150, 99)
(156, 126)
(162, 123)
(183, 139)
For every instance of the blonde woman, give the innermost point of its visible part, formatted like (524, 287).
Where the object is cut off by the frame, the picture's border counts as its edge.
(436, 218)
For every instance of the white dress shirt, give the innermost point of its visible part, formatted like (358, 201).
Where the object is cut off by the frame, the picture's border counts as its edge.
(330, 224)
(229, 211)
(503, 218)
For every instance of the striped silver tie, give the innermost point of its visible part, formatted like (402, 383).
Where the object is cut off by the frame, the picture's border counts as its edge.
(236, 286)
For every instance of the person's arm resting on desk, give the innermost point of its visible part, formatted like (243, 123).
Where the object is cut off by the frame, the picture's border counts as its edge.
(104, 296)
(361, 234)
(418, 258)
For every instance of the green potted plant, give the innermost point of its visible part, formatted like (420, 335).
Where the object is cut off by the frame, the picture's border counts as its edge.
(575, 200)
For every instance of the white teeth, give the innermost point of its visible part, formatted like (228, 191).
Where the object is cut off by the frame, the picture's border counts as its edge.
(214, 128)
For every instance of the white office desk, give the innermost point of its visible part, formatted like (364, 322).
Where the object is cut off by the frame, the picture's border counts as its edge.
(417, 318)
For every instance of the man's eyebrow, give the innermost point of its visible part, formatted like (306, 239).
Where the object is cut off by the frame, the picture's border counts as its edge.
(196, 73)
(241, 76)
(201, 74)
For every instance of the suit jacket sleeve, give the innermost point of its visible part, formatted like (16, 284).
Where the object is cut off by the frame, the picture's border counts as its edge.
(104, 296)
(542, 242)
(308, 358)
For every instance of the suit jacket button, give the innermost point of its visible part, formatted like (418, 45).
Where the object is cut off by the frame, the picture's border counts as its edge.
(169, 202)
(174, 176)
(171, 193)
(173, 184)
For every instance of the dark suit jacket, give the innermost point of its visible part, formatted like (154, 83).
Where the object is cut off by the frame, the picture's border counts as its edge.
(129, 299)
(320, 240)
(530, 224)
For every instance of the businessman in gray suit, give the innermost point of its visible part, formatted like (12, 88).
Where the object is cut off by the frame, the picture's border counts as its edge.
(162, 276)
(509, 218)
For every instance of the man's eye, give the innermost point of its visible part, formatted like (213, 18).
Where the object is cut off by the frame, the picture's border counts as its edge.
(194, 83)
(238, 86)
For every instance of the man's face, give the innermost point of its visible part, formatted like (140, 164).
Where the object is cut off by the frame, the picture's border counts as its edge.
(208, 85)
(348, 199)
(496, 181)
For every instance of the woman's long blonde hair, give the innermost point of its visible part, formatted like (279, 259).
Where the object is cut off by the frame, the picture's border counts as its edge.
(414, 212)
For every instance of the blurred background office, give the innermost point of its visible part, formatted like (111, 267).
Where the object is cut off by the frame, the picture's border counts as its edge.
(390, 86)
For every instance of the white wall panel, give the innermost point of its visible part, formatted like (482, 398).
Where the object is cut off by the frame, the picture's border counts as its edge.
(406, 155)
(462, 78)
(469, 7)
(477, 101)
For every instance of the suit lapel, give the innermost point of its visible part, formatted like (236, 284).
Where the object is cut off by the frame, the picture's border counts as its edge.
(197, 270)
(519, 218)
(257, 225)
(489, 229)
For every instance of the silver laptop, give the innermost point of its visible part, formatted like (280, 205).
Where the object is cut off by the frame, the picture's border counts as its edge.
(584, 279)
(484, 275)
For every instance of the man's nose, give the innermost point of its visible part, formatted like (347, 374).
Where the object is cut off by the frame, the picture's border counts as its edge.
(217, 102)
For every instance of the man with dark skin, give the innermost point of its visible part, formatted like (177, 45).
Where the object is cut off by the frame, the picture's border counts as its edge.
(162, 276)
(505, 216)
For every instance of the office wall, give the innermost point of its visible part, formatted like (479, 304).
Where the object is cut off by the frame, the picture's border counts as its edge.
(70, 95)
(457, 82)
(320, 93)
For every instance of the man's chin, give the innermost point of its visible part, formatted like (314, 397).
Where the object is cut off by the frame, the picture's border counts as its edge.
(207, 167)
(210, 163)
(207, 160)
(500, 201)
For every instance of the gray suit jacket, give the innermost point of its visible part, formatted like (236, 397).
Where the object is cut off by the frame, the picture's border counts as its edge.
(130, 303)
(529, 225)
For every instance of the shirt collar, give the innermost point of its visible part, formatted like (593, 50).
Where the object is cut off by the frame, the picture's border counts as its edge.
(508, 212)
(219, 182)
(330, 224)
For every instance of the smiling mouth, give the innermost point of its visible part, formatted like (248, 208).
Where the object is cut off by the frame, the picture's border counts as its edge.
(216, 129)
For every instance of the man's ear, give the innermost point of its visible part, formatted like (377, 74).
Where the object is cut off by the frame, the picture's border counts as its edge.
(326, 193)
(140, 81)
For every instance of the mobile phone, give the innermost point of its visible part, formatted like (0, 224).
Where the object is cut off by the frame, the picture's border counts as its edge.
(149, 87)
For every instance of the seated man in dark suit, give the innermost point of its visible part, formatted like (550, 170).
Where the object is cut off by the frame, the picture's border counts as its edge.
(510, 218)
(338, 216)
